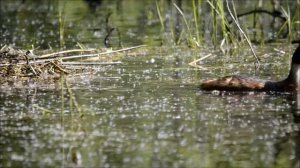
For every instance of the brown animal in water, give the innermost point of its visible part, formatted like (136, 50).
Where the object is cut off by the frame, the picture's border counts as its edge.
(239, 83)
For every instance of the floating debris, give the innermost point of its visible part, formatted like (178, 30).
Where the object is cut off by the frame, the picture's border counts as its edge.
(18, 65)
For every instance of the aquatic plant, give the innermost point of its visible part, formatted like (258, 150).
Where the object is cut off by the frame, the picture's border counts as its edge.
(196, 20)
(161, 20)
(292, 22)
(61, 21)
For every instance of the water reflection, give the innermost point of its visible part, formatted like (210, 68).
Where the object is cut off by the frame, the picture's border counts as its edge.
(261, 136)
(296, 115)
(93, 4)
(290, 138)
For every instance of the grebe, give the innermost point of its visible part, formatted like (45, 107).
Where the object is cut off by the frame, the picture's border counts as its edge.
(238, 83)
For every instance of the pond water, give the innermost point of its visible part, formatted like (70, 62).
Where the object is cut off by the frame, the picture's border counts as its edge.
(149, 111)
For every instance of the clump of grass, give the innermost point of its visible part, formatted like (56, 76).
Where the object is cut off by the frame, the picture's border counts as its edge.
(218, 13)
(225, 27)
(291, 23)
(196, 21)
(214, 13)
(185, 21)
(178, 34)
(161, 19)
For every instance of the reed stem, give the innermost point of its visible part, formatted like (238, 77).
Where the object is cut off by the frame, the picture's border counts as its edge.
(243, 33)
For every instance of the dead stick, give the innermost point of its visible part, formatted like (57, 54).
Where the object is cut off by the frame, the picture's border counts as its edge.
(87, 55)
(75, 56)
(200, 59)
(67, 51)
(103, 53)
(59, 68)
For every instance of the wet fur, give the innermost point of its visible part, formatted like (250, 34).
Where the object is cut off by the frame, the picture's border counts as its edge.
(236, 83)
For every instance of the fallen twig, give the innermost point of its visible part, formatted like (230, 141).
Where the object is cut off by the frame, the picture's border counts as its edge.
(194, 63)
(59, 68)
(44, 59)
(91, 63)
(200, 59)
(65, 52)
(55, 55)
(103, 53)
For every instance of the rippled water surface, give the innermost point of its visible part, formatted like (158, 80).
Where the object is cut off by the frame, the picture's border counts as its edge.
(147, 111)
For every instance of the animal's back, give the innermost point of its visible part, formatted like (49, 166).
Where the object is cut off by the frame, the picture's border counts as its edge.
(234, 83)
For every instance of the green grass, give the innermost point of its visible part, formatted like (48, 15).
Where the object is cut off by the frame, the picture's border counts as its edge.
(61, 21)
(224, 23)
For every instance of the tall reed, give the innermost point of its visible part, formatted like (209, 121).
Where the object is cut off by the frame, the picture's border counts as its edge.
(61, 21)
(291, 27)
(197, 20)
(161, 19)
(186, 23)
(224, 23)
(219, 22)
(235, 19)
